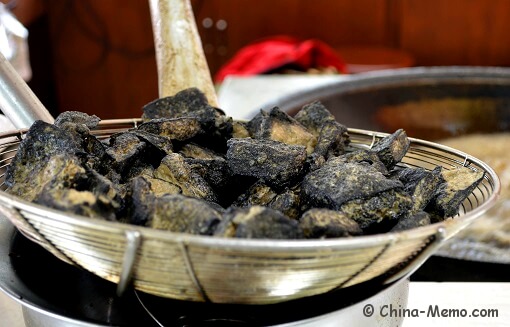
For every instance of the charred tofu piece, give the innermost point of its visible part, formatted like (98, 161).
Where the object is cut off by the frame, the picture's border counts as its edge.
(240, 129)
(32, 166)
(175, 170)
(279, 126)
(143, 191)
(63, 169)
(216, 173)
(332, 141)
(314, 116)
(223, 126)
(257, 222)
(254, 125)
(127, 154)
(83, 203)
(333, 138)
(78, 125)
(338, 182)
(74, 189)
(274, 162)
(366, 157)
(420, 184)
(381, 209)
(419, 219)
(325, 223)
(288, 202)
(102, 187)
(76, 118)
(158, 143)
(456, 186)
(181, 214)
(258, 194)
(186, 103)
(195, 151)
(180, 129)
(392, 148)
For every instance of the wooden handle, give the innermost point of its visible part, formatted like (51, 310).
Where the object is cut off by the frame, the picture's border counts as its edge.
(180, 57)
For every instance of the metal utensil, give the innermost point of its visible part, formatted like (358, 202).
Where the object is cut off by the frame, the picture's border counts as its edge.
(17, 101)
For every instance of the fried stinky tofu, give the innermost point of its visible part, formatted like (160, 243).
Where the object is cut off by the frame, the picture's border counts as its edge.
(143, 190)
(182, 214)
(73, 188)
(76, 118)
(216, 173)
(456, 186)
(279, 126)
(274, 162)
(258, 194)
(421, 184)
(32, 167)
(418, 219)
(333, 138)
(159, 143)
(257, 222)
(60, 168)
(313, 116)
(240, 129)
(186, 103)
(338, 182)
(126, 151)
(175, 170)
(366, 157)
(288, 202)
(381, 208)
(180, 129)
(392, 148)
(326, 223)
(83, 203)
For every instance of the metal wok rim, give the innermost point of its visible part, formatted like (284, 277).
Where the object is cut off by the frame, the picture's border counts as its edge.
(391, 78)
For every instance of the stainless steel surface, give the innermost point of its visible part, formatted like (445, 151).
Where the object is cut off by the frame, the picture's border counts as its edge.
(133, 239)
(428, 102)
(39, 310)
(36, 317)
(222, 270)
(395, 295)
(17, 101)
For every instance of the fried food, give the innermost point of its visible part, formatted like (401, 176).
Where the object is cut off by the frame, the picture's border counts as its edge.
(189, 168)
(274, 162)
(258, 222)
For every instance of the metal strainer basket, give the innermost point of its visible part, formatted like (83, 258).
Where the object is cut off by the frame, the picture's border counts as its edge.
(221, 270)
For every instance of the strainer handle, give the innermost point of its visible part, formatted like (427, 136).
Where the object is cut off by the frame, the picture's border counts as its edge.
(17, 101)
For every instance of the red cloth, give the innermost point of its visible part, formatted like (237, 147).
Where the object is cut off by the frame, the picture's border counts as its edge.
(272, 53)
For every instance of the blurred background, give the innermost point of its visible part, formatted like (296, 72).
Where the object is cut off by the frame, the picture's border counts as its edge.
(98, 57)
